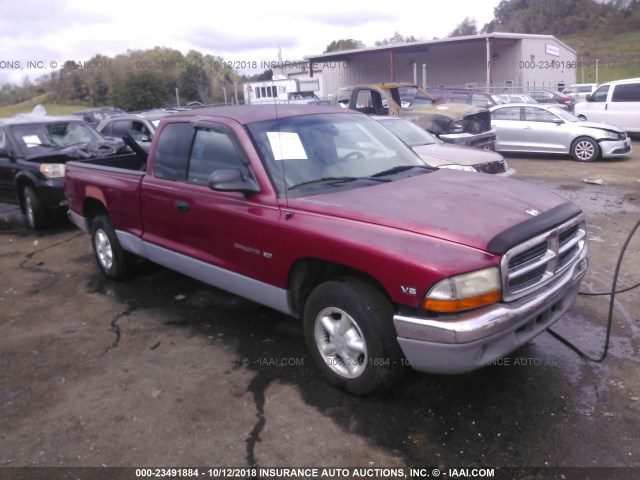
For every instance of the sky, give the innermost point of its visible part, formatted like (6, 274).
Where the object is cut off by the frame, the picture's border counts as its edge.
(38, 36)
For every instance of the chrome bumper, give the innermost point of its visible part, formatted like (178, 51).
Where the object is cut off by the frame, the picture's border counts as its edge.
(477, 338)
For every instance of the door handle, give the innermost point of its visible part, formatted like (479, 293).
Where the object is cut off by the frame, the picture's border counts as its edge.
(182, 206)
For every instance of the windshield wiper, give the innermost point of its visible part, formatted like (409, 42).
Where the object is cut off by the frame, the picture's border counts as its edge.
(331, 180)
(399, 169)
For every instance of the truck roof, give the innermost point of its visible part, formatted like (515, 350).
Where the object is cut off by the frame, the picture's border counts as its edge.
(246, 114)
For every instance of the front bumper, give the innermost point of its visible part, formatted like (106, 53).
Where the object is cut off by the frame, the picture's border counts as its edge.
(477, 338)
(615, 148)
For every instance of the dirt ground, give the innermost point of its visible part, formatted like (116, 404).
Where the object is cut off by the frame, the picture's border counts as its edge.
(164, 371)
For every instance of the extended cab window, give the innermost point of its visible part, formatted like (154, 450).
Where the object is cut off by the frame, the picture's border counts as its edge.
(212, 150)
(172, 152)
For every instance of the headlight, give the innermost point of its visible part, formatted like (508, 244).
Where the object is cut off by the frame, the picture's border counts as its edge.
(611, 135)
(464, 292)
(52, 170)
(466, 168)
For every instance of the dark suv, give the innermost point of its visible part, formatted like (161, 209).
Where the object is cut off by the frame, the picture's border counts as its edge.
(34, 149)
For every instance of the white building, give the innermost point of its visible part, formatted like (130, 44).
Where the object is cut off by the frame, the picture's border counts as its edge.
(497, 62)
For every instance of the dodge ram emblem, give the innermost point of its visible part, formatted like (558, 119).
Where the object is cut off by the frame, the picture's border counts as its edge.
(533, 212)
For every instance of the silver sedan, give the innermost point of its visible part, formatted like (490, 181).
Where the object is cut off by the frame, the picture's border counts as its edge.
(550, 129)
(436, 153)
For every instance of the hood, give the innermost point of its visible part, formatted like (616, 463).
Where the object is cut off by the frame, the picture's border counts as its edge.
(439, 154)
(600, 126)
(460, 207)
(81, 151)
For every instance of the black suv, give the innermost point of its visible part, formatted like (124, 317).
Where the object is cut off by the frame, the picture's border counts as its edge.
(33, 151)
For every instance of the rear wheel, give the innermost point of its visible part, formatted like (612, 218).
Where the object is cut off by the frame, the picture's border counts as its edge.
(585, 149)
(115, 262)
(349, 331)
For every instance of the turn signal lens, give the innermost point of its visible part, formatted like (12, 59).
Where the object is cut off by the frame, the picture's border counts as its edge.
(465, 292)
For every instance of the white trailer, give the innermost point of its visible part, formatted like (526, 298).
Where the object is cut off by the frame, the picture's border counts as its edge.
(285, 90)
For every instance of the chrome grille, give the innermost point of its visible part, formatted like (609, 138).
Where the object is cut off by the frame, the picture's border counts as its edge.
(540, 260)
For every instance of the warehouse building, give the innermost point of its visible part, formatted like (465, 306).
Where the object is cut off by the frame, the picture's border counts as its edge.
(495, 62)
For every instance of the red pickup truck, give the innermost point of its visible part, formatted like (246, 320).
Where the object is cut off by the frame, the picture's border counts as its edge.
(325, 215)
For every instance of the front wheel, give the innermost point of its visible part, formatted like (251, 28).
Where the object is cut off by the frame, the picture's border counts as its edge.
(33, 209)
(115, 262)
(350, 335)
(585, 149)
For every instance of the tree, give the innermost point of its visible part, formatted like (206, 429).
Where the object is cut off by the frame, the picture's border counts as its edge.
(395, 40)
(141, 91)
(466, 27)
(344, 44)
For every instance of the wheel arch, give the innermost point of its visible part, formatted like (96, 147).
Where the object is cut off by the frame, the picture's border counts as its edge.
(307, 273)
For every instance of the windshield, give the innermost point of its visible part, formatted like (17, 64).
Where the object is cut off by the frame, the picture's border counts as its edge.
(412, 97)
(324, 150)
(565, 115)
(409, 132)
(53, 136)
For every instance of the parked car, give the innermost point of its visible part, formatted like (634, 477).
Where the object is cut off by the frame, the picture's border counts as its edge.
(548, 96)
(518, 98)
(34, 149)
(578, 92)
(468, 97)
(550, 129)
(141, 126)
(436, 153)
(468, 125)
(615, 102)
(93, 116)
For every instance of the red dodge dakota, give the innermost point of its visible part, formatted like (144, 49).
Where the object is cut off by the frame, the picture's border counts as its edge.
(325, 215)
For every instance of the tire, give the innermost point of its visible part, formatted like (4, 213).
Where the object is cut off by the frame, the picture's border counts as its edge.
(115, 262)
(34, 212)
(585, 149)
(350, 335)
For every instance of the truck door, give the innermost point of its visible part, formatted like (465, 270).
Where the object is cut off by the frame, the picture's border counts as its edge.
(224, 230)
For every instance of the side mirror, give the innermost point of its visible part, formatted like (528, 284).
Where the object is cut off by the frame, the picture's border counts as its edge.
(588, 97)
(557, 121)
(232, 180)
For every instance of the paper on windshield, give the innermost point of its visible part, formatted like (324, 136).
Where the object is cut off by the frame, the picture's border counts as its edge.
(286, 146)
(31, 140)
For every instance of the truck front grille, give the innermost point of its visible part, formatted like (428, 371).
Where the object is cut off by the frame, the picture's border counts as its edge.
(542, 259)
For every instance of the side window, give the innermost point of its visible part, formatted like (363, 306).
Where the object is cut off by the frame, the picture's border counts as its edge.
(172, 151)
(507, 113)
(532, 114)
(120, 128)
(480, 100)
(3, 140)
(212, 150)
(139, 130)
(457, 98)
(344, 98)
(600, 95)
(628, 92)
